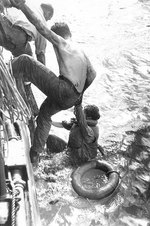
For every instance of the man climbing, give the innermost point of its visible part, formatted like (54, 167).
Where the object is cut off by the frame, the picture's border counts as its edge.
(75, 75)
(16, 31)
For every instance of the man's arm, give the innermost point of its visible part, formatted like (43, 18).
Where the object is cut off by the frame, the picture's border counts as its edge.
(57, 124)
(86, 131)
(62, 124)
(40, 26)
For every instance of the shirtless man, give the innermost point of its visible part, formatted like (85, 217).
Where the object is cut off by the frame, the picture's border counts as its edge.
(75, 69)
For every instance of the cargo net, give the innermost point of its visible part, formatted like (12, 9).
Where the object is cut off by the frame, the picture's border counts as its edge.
(12, 104)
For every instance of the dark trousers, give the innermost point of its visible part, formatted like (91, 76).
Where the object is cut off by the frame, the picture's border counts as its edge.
(60, 92)
(13, 38)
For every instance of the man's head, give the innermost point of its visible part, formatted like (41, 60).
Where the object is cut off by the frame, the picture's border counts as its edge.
(62, 30)
(91, 112)
(48, 10)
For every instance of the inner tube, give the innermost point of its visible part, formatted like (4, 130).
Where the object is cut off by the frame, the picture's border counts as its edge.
(96, 193)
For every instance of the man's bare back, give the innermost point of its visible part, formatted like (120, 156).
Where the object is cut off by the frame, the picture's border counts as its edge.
(72, 63)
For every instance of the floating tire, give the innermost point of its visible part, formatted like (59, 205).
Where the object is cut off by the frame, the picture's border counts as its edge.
(96, 193)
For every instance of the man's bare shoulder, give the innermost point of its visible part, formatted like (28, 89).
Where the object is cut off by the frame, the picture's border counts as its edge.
(73, 50)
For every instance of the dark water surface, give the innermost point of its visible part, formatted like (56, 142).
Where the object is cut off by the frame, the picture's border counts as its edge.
(116, 36)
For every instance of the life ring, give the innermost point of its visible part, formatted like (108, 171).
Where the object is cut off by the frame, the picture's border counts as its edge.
(98, 193)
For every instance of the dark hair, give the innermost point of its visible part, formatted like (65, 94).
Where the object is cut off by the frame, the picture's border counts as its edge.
(92, 111)
(61, 29)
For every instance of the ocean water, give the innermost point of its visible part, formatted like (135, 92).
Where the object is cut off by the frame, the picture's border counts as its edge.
(116, 36)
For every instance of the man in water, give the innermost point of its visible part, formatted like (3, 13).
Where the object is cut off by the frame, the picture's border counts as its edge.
(75, 75)
(83, 137)
(16, 31)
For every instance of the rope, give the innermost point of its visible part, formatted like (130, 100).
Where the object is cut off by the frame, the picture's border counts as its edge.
(13, 211)
(11, 98)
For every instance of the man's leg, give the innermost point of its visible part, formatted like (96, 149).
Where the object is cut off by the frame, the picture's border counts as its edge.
(47, 109)
(27, 69)
(37, 73)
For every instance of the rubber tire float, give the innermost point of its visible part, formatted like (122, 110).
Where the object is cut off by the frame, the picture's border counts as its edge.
(100, 193)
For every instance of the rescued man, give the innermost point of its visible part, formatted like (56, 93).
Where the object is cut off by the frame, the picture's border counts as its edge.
(82, 144)
(75, 75)
(16, 31)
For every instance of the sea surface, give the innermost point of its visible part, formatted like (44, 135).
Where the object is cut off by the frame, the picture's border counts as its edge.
(116, 36)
